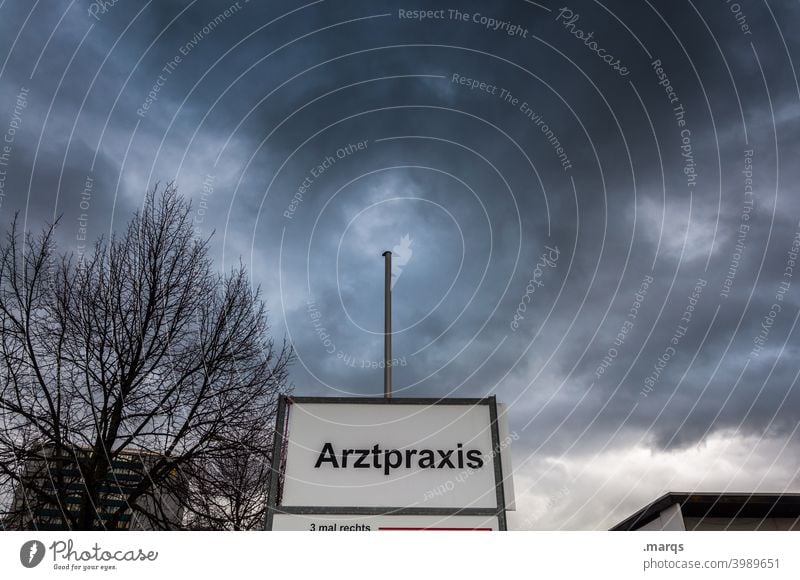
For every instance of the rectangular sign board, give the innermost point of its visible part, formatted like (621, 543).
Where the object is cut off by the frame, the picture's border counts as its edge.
(382, 523)
(389, 457)
(408, 455)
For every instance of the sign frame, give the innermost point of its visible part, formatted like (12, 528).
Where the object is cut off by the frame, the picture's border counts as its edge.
(280, 443)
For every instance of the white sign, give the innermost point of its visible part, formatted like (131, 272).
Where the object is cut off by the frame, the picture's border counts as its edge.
(340, 523)
(389, 455)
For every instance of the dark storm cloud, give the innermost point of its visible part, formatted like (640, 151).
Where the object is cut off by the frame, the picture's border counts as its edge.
(258, 113)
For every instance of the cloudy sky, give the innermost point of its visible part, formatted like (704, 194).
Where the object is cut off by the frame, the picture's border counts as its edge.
(593, 207)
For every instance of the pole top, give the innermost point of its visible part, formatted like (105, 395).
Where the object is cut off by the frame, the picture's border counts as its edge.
(386, 252)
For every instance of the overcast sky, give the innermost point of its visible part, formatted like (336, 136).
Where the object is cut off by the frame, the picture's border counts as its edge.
(594, 207)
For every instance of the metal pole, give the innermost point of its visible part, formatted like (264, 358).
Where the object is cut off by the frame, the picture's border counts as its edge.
(387, 324)
(275, 462)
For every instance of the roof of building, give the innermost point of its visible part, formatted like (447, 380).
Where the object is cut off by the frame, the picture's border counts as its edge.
(717, 505)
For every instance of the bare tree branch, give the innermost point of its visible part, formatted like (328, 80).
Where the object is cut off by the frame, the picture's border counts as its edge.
(137, 383)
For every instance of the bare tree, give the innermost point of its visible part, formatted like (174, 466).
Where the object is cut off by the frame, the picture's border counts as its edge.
(137, 385)
(228, 489)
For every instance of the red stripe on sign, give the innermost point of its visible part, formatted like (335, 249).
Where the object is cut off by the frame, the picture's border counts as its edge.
(436, 529)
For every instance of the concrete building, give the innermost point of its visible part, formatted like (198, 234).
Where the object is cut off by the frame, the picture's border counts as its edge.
(128, 469)
(717, 512)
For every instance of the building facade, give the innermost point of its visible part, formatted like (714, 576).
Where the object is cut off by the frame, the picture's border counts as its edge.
(717, 512)
(52, 497)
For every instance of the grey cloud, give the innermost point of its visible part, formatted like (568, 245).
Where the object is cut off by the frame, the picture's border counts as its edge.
(547, 366)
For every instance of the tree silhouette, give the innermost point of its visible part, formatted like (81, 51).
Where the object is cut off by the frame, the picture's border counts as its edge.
(138, 387)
